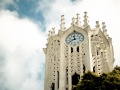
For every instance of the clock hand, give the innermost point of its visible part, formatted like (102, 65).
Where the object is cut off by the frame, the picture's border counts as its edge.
(73, 39)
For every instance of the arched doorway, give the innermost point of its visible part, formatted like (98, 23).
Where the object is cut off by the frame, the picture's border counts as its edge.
(75, 79)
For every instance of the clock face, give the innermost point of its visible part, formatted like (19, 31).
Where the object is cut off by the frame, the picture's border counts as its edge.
(74, 38)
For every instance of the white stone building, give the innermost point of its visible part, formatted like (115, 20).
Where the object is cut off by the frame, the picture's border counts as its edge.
(74, 51)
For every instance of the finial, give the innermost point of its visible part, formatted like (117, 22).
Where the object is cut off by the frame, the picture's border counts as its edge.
(53, 31)
(62, 25)
(97, 24)
(49, 34)
(104, 27)
(85, 19)
(78, 19)
(73, 20)
(104, 30)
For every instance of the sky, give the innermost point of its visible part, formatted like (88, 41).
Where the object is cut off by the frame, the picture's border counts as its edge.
(24, 25)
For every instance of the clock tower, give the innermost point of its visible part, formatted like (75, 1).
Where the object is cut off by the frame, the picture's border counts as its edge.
(74, 51)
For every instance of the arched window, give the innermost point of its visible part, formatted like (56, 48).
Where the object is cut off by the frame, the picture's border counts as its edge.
(78, 49)
(67, 75)
(94, 69)
(83, 68)
(58, 78)
(75, 79)
(71, 49)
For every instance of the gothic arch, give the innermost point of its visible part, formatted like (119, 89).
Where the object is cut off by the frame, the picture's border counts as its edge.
(75, 78)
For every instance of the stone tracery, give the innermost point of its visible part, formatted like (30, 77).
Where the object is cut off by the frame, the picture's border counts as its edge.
(64, 60)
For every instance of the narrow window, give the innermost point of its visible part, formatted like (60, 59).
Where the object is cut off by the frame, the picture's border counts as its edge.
(83, 68)
(78, 49)
(71, 49)
(53, 86)
(97, 52)
(94, 69)
(67, 81)
(67, 75)
(75, 79)
(58, 78)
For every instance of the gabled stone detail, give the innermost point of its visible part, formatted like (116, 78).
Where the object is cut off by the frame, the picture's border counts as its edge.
(64, 59)
(60, 33)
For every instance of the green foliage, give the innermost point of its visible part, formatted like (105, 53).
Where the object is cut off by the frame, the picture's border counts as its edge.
(106, 81)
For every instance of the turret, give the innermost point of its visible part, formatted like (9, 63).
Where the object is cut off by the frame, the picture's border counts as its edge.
(85, 20)
(78, 19)
(104, 30)
(62, 25)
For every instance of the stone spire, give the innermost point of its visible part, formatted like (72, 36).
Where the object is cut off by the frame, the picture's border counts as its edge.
(62, 25)
(78, 19)
(49, 34)
(104, 30)
(97, 24)
(53, 31)
(85, 19)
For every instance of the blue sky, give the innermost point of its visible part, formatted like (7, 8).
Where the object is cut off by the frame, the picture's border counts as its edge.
(27, 8)
(24, 25)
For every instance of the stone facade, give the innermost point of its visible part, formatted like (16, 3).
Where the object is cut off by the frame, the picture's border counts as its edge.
(66, 61)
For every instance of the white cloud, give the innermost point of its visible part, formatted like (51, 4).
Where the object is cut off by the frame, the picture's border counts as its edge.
(22, 61)
(21, 41)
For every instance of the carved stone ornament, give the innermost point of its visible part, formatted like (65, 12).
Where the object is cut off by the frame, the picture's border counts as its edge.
(103, 46)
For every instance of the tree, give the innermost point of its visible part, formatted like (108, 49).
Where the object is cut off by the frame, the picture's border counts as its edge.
(105, 81)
